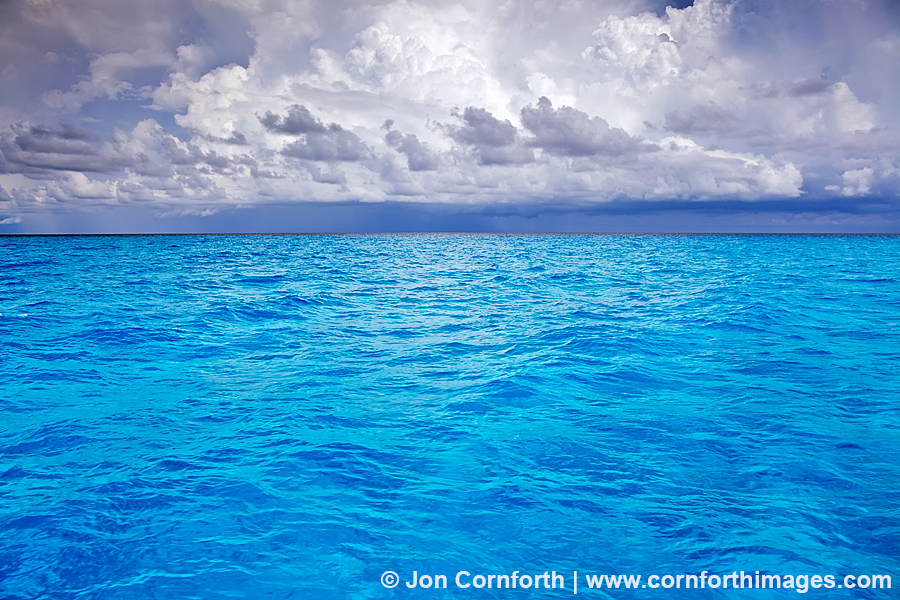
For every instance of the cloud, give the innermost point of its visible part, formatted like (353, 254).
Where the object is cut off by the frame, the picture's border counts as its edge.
(684, 169)
(419, 156)
(35, 149)
(333, 175)
(570, 132)
(319, 142)
(423, 51)
(297, 122)
(77, 186)
(795, 89)
(66, 139)
(640, 49)
(502, 101)
(702, 120)
(235, 139)
(333, 144)
(483, 129)
(494, 142)
(857, 182)
(106, 72)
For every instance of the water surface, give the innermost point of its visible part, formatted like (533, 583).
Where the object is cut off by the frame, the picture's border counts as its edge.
(290, 416)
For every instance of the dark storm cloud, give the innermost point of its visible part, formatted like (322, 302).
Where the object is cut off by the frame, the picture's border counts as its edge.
(495, 142)
(570, 132)
(701, 119)
(418, 156)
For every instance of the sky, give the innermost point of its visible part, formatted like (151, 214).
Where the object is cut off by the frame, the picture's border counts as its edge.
(488, 115)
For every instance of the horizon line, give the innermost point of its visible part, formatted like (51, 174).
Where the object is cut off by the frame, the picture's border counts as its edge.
(454, 233)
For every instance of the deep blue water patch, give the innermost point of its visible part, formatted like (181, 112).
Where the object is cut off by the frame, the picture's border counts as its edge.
(291, 416)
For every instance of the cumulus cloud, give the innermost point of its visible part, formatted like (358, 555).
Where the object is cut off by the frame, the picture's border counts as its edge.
(418, 155)
(493, 141)
(319, 142)
(856, 182)
(298, 121)
(334, 144)
(77, 186)
(570, 132)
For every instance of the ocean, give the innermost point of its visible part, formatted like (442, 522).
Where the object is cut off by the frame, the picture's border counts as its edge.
(278, 417)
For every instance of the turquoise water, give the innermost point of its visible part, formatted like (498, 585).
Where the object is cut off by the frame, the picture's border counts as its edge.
(291, 416)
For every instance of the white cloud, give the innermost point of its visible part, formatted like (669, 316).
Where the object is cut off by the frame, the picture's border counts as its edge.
(77, 186)
(857, 181)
